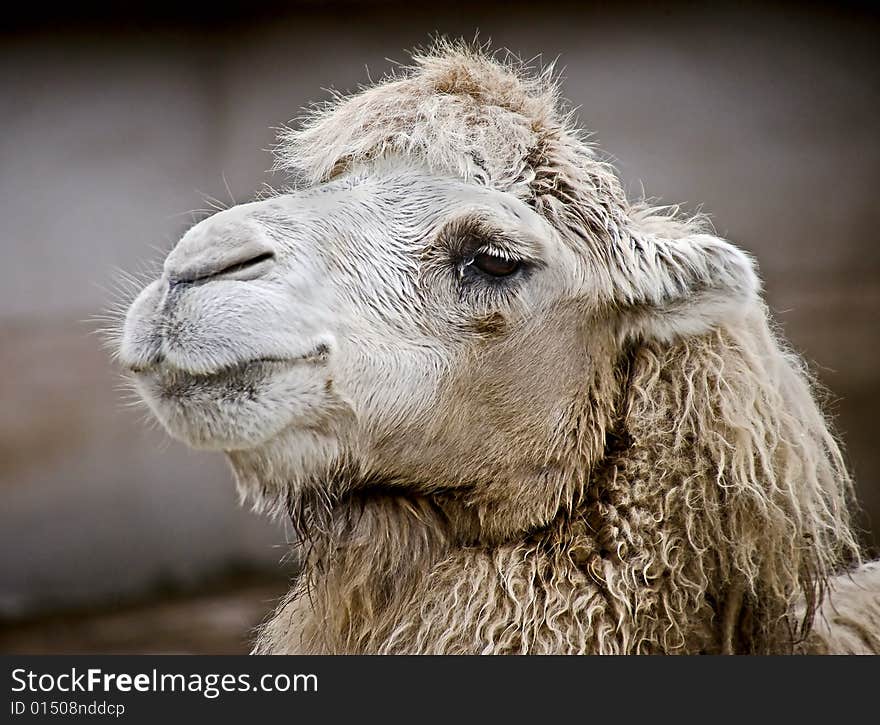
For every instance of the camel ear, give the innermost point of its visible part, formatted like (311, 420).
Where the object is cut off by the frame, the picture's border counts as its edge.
(686, 286)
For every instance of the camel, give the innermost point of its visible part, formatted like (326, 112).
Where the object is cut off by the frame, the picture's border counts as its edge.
(506, 409)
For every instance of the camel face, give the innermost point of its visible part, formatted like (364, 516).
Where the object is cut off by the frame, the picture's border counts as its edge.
(446, 303)
(340, 322)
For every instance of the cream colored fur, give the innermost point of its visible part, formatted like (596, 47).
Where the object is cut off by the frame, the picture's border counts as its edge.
(609, 452)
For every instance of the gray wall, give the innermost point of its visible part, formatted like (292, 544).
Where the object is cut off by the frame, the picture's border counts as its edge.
(766, 118)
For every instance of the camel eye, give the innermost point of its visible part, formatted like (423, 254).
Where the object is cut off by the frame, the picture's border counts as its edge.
(496, 266)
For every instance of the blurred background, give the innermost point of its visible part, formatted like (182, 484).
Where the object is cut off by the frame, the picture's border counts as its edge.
(115, 128)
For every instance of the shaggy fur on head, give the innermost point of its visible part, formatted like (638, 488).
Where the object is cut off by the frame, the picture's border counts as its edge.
(469, 115)
(695, 500)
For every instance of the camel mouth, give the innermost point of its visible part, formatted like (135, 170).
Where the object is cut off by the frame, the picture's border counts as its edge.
(163, 368)
(238, 405)
(167, 383)
(174, 386)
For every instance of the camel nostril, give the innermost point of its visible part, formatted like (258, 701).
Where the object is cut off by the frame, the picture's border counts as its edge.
(239, 268)
(246, 264)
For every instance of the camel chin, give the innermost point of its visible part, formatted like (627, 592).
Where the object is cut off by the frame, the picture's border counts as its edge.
(236, 407)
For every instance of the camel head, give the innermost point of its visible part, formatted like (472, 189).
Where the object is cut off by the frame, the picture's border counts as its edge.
(447, 303)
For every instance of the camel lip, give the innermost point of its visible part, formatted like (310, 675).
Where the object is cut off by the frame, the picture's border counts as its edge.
(162, 368)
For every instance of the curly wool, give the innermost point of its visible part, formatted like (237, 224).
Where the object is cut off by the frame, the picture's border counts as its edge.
(726, 507)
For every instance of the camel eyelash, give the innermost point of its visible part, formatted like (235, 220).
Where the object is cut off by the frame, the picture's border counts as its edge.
(463, 247)
(497, 250)
(487, 241)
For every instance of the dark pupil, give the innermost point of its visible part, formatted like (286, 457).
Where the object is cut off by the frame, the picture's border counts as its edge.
(495, 266)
